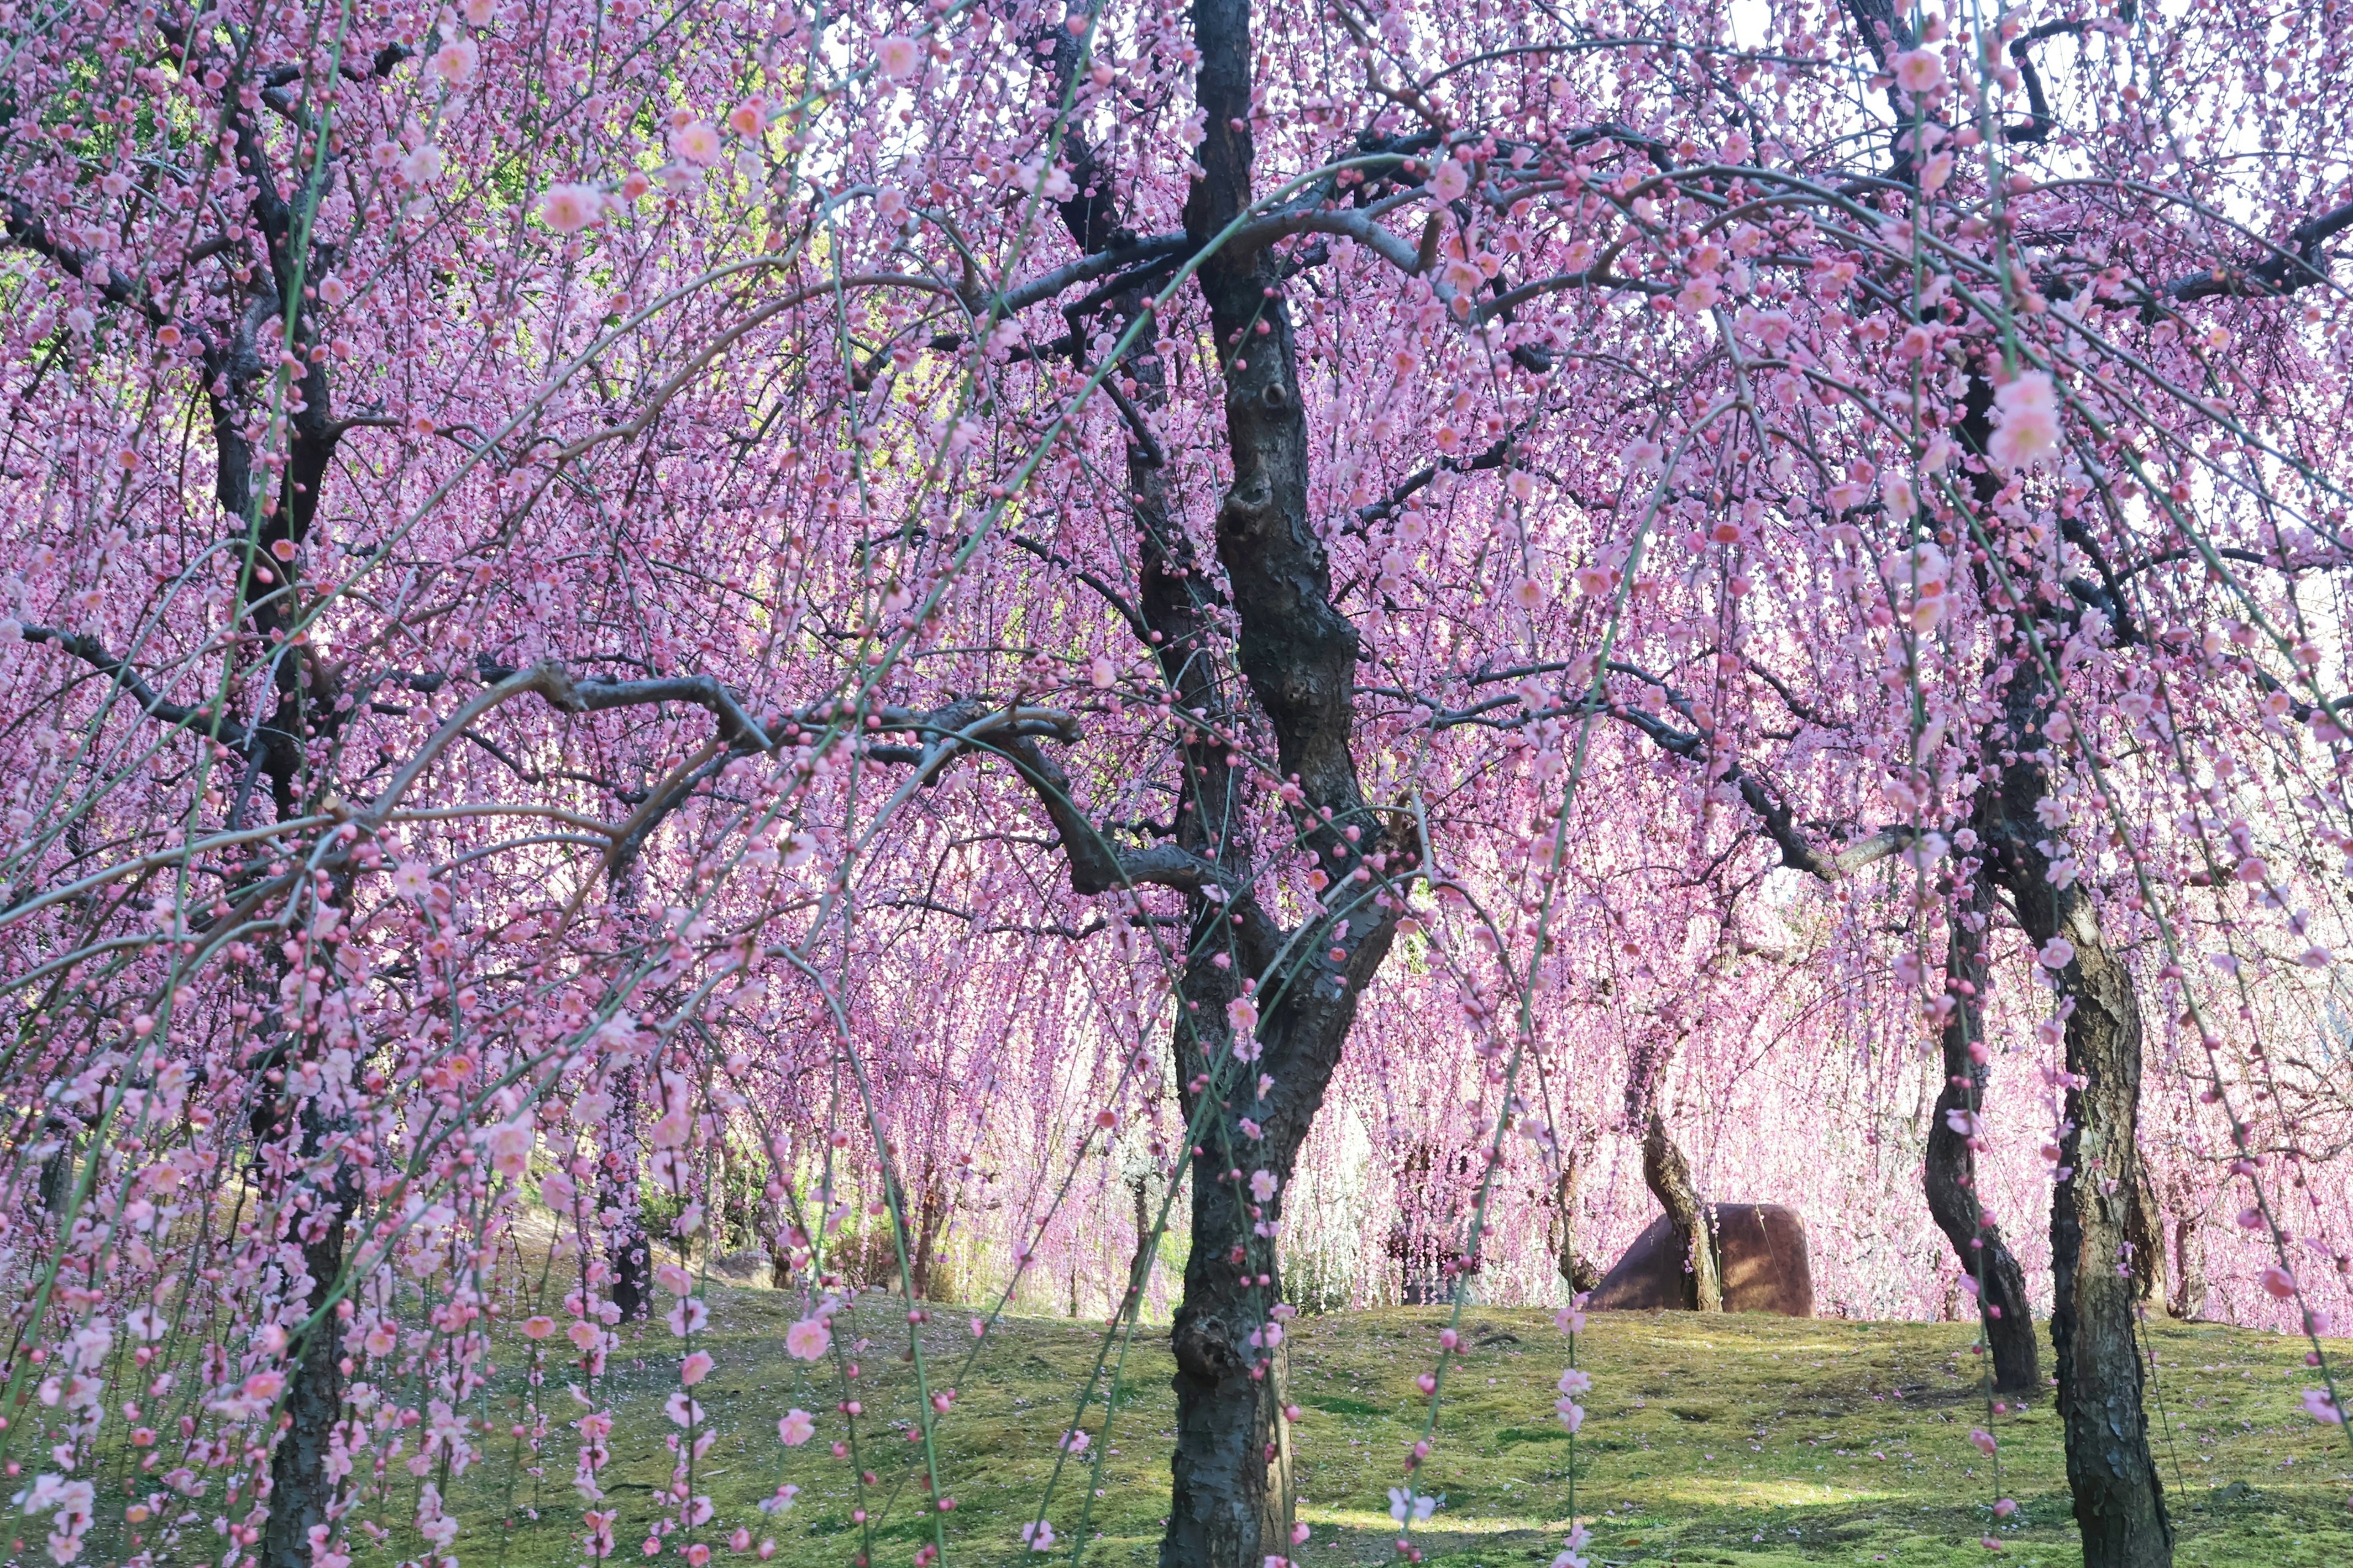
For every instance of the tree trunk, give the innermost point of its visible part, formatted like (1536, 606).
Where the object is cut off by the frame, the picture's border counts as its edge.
(2096, 1206)
(931, 1213)
(2096, 1298)
(300, 1488)
(1668, 1175)
(58, 1171)
(1950, 1178)
(2188, 1301)
(627, 1254)
(1262, 1035)
(1578, 1270)
(2119, 1500)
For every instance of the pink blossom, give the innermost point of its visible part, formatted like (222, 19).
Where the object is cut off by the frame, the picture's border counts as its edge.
(796, 1427)
(1919, 71)
(2026, 415)
(456, 62)
(568, 209)
(696, 142)
(807, 1338)
(898, 57)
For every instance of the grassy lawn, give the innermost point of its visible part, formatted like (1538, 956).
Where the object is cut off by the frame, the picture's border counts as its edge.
(1738, 1440)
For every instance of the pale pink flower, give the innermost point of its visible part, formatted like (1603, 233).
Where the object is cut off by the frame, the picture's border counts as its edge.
(748, 118)
(411, 878)
(2026, 421)
(538, 1328)
(898, 55)
(695, 1368)
(583, 1335)
(2276, 1281)
(1983, 1440)
(1448, 180)
(695, 143)
(1242, 1014)
(1700, 293)
(509, 1146)
(454, 61)
(1571, 1414)
(2056, 954)
(1262, 1185)
(568, 209)
(796, 1427)
(1896, 491)
(2322, 1408)
(690, 1316)
(1576, 1380)
(1037, 1535)
(1919, 71)
(808, 1338)
(424, 166)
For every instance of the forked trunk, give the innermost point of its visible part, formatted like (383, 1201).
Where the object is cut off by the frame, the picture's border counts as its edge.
(2099, 1218)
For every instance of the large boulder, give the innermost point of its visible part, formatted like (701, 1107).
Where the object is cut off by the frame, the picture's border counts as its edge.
(1762, 1250)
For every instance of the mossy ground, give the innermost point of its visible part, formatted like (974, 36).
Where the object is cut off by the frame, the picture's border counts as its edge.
(1734, 1440)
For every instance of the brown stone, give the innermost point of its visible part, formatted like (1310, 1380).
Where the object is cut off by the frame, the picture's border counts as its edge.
(1765, 1261)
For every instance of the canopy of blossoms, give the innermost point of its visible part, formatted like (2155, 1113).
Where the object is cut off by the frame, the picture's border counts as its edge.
(915, 636)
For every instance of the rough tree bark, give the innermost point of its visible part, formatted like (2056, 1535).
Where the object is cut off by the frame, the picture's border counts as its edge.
(1950, 1174)
(2119, 1500)
(1298, 654)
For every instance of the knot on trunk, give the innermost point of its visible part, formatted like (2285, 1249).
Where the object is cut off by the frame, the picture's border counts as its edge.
(1247, 508)
(1204, 1346)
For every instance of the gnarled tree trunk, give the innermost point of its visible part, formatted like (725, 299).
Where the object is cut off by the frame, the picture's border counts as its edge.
(1668, 1175)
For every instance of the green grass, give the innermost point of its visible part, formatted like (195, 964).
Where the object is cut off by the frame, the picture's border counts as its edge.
(1734, 1440)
